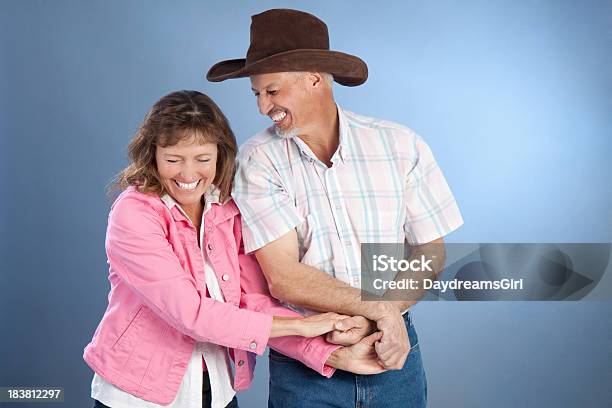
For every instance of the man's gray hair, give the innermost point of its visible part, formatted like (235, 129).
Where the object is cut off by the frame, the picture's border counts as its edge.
(327, 77)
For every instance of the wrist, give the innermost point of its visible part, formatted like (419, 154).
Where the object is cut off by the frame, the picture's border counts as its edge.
(382, 309)
(286, 326)
(335, 358)
(403, 306)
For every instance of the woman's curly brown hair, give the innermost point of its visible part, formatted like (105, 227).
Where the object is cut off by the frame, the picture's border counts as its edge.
(175, 117)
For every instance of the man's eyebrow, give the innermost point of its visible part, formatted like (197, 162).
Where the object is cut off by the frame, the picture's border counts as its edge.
(273, 84)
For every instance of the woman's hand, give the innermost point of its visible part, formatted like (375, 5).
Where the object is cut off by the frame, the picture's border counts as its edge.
(311, 326)
(319, 324)
(351, 330)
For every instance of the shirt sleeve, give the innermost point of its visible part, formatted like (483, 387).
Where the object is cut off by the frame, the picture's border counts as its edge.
(268, 210)
(312, 352)
(140, 254)
(431, 209)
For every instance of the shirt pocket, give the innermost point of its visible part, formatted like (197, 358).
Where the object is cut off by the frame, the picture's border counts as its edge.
(389, 225)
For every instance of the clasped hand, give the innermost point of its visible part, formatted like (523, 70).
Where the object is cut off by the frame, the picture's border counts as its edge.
(391, 347)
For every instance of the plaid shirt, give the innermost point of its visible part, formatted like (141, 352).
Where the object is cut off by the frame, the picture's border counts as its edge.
(384, 186)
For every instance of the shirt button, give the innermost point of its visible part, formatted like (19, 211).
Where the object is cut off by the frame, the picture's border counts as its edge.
(253, 346)
(210, 247)
(348, 243)
(225, 277)
(240, 363)
(338, 207)
(209, 229)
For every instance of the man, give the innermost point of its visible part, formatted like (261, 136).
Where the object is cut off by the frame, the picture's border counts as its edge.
(315, 186)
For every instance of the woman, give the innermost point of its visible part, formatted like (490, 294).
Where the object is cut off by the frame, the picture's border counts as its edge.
(183, 293)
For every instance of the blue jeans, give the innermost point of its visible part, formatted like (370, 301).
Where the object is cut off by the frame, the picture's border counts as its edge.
(293, 385)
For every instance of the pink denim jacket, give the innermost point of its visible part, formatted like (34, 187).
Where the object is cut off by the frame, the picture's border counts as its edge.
(157, 305)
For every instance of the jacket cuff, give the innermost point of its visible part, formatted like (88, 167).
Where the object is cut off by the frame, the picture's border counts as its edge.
(317, 353)
(257, 333)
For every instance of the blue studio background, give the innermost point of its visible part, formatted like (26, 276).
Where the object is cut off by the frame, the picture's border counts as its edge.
(514, 97)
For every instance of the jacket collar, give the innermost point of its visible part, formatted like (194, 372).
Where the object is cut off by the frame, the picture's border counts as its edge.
(214, 210)
(211, 196)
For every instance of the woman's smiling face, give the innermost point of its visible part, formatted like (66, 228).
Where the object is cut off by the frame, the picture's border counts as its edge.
(186, 170)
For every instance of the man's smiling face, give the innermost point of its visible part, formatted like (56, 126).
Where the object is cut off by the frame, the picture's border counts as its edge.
(285, 98)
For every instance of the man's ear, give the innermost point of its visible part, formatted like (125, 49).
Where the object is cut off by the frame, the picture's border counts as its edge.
(315, 79)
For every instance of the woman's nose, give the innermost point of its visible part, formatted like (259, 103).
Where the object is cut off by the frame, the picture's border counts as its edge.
(188, 173)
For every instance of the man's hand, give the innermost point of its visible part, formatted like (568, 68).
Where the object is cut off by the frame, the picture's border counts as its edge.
(360, 358)
(351, 330)
(393, 347)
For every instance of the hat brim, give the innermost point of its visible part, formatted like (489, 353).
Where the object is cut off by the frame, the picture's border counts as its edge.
(347, 69)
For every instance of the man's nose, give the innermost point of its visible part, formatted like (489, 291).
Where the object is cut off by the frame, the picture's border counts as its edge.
(264, 104)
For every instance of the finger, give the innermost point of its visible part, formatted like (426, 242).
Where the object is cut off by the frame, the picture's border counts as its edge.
(346, 324)
(340, 335)
(390, 359)
(391, 365)
(384, 355)
(341, 338)
(372, 338)
(384, 346)
(387, 349)
(396, 362)
(393, 359)
(372, 367)
(387, 357)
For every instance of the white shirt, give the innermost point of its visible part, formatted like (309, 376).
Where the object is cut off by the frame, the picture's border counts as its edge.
(217, 360)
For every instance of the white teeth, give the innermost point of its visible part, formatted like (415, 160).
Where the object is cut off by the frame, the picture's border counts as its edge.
(278, 116)
(187, 186)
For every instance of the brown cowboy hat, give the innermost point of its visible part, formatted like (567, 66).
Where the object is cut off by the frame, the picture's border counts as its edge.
(284, 40)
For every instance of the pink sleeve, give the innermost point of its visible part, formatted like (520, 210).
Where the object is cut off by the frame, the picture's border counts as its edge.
(139, 252)
(313, 352)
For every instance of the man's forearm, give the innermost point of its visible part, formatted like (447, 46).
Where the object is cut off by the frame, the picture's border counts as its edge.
(404, 299)
(305, 286)
(316, 290)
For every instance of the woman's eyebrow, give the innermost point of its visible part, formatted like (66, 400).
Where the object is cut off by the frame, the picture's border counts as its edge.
(181, 156)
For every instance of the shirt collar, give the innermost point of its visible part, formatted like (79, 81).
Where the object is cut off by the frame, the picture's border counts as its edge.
(343, 130)
(343, 133)
(211, 196)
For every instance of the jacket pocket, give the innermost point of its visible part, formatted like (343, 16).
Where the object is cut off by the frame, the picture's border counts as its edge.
(124, 341)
